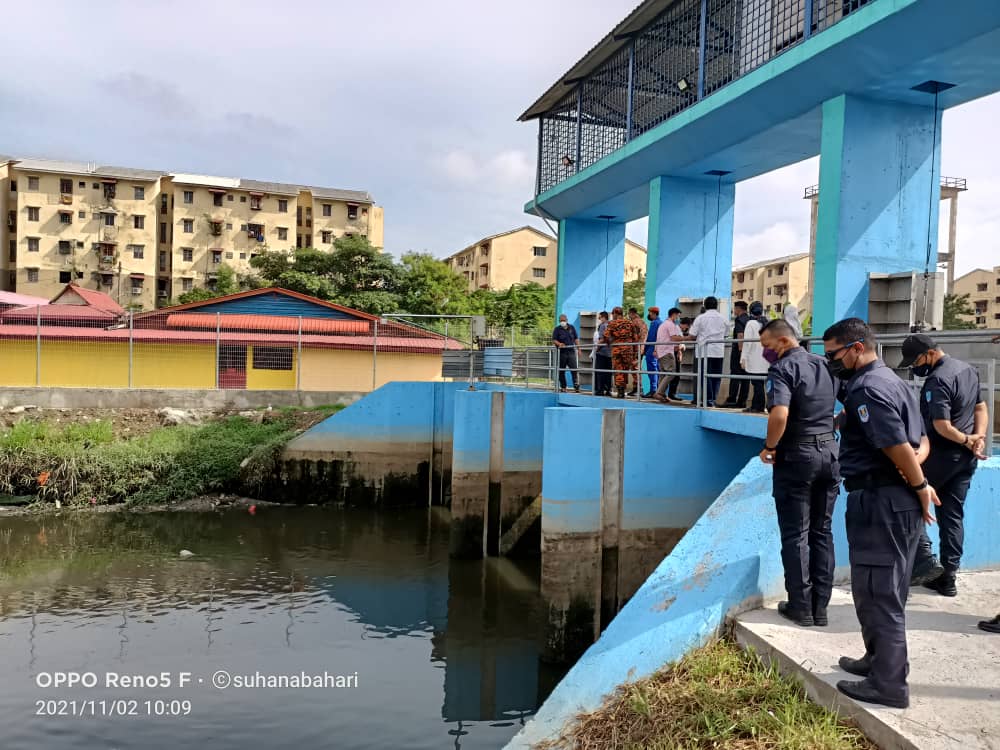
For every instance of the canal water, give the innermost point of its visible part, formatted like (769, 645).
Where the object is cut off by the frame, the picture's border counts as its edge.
(444, 654)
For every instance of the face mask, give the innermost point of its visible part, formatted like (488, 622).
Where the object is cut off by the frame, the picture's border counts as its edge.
(922, 371)
(771, 356)
(564, 324)
(839, 370)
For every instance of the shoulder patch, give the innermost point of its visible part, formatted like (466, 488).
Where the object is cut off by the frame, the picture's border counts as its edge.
(769, 386)
(927, 396)
(863, 414)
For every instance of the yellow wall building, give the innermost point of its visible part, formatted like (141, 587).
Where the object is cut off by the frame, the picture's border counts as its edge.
(144, 236)
(524, 255)
(983, 288)
(774, 282)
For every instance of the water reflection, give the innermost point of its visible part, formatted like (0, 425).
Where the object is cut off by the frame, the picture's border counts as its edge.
(447, 651)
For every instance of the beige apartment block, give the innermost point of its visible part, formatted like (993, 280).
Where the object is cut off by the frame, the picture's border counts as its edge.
(774, 282)
(145, 237)
(983, 288)
(524, 255)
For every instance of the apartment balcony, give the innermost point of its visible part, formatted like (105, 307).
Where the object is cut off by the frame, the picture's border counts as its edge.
(109, 234)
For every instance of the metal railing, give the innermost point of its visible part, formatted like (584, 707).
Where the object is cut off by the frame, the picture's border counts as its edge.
(956, 183)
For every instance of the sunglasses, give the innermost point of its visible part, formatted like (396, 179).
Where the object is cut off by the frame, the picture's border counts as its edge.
(832, 356)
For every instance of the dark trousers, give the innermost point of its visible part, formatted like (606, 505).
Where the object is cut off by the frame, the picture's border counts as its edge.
(950, 474)
(806, 484)
(739, 390)
(757, 402)
(567, 361)
(883, 526)
(712, 366)
(602, 380)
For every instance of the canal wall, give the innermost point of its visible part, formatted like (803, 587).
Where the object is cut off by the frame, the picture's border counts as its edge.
(179, 398)
(728, 562)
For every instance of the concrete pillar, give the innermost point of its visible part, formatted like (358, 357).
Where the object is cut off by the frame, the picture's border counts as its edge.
(591, 267)
(612, 485)
(880, 169)
(690, 250)
(470, 472)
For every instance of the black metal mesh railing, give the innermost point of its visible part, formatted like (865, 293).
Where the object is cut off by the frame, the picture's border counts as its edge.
(689, 51)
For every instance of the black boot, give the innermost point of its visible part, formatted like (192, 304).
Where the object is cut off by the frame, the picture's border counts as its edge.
(860, 667)
(944, 584)
(820, 617)
(926, 571)
(865, 691)
(799, 617)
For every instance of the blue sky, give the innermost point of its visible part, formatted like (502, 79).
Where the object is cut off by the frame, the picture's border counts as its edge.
(415, 102)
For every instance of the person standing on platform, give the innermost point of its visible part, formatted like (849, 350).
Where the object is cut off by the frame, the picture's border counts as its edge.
(956, 421)
(668, 361)
(752, 358)
(888, 502)
(802, 447)
(568, 343)
(602, 357)
(652, 362)
(640, 337)
(739, 390)
(791, 315)
(621, 335)
(709, 331)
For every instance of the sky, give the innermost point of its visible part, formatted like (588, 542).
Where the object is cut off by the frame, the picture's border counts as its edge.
(416, 102)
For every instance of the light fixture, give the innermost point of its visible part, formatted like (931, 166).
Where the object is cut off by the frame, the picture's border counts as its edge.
(683, 85)
(567, 161)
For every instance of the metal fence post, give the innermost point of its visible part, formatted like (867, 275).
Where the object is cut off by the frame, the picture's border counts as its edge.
(298, 368)
(218, 350)
(38, 345)
(131, 323)
(375, 354)
(808, 20)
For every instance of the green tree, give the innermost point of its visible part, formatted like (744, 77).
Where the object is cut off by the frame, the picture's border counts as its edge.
(363, 277)
(955, 306)
(428, 286)
(226, 282)
(634, 294)
(527, 305)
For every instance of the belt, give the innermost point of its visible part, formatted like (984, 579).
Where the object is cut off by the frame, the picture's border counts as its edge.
(872, 479)
(817, 440)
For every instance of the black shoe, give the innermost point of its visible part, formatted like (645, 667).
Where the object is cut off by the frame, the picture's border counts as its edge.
(865, 691)
(621, 394)
(991, 626)
(799, 617)
(944, 585)
(576, 389)
(860, 667)
(820, 617)
(926, 571)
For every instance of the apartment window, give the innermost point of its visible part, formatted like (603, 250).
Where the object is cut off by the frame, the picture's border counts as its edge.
(298, 240)
(216, 257)
(109, 220)
(188, 226)
(229, 197)
(256, 232)
(139, 222)
(282, 233)
(187, 254)
(770, 272)
(751, 276)
(189, 196)
(65, 217)
(243, 256)
(109, 190)
(106, 279)
(33, 216)
(229, 255)
(32, 183)
(326, 237)
(163, 260)
(272, 358)
(81, 184)
(163, 231)
(538, 273)
(781, 270)
(979, 287)
(32, 275)
(65, 247)
(282, 207)
(243, 199)
(13, 186)
(187, 284)
(352, 211)
(484, 250)
(138, 251)
(255, 202)
(81, 215)
(539, 252)
(298, 216)
(216, 199)
(33, 244)
(138, 193)
(229, 226)
(137, 286)
(12, 251)
(65, 277)
(768, 290)
(327, 209)
(777, 307)
(163, 203)
(66, 186)
(309, 212)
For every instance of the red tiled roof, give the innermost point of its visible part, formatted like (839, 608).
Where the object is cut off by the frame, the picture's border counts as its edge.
(21, 300)
(93, 298)
(58, 312)
(273, 323)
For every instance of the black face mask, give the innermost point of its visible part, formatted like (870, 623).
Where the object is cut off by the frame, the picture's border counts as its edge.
(839, 370)
(922, 371)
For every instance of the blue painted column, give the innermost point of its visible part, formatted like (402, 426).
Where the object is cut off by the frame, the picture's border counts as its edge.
(591, 267)
(878, 196)
(690, 240)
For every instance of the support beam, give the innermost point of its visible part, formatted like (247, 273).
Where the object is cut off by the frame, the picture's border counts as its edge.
(690, 250)
(591, 267)
(879, 201)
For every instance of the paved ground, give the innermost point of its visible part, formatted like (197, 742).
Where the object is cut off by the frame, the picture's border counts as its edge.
(954, 667)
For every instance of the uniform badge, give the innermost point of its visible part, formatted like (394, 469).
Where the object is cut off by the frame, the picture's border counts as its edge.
(863, 412)
(927, 396)
(770, 386)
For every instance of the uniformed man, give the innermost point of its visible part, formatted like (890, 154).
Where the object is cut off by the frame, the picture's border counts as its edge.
(955, 420)
(802, 446)
(889, 499)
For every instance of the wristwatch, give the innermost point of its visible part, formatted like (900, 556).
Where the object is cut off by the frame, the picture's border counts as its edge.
(922, 486)
(769, 449)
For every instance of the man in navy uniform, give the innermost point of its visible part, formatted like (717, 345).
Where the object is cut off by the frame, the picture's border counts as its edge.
(955, 420)
(889, 501)
(802, 446)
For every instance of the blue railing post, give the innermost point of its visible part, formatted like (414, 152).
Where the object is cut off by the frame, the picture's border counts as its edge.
(702, 40)
(579, 122)
(808, 20)
(631, 89)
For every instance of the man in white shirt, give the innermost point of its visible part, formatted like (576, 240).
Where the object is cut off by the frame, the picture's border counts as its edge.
(709, 331)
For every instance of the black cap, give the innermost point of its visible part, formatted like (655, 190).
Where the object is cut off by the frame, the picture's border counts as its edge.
(914, 346)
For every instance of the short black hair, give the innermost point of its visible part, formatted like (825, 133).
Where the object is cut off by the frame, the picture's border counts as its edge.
(740, 304)
(633, 310)
(602, 314)
(848, 331)
(673, 310)
(711, 303)
(779, 327)
(686, 321)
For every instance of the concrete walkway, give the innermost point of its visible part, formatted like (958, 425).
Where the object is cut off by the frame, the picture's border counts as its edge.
(954, 667)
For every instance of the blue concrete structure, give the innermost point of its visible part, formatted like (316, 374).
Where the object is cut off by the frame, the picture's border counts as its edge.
(591, 267)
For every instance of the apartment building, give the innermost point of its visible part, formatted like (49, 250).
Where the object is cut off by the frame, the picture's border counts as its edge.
(774, 282)
(146, 236)
(521, 255)
(983, 288)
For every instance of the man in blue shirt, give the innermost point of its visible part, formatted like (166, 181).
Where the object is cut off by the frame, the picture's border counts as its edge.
(652, 363)
(568, 343)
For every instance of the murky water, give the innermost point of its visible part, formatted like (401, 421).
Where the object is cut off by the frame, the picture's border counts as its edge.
(445, 653)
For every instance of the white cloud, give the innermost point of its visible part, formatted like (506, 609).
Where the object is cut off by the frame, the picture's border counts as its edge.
(510, 168)
(780, 238)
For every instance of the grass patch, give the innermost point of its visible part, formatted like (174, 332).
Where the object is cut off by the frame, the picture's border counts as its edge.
(85, 463)
(716, 697)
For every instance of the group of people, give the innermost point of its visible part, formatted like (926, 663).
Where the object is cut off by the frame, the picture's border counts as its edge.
(898, 456)
(621, 339)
